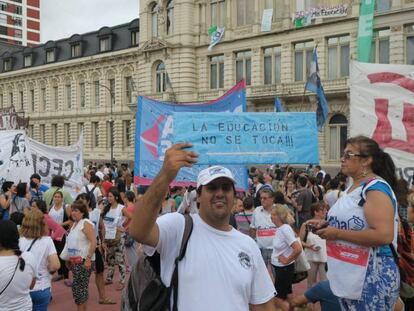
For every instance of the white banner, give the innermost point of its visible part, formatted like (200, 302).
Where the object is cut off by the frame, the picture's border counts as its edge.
(66, 161)
(21, 156)
(15, 157)
(382, 107)
(267, 20)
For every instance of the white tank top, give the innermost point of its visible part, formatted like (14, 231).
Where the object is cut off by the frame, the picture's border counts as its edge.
(348, 262)
(57, 215)
(78, 243)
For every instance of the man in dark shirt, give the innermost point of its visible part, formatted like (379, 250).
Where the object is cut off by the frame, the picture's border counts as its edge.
(303, 200)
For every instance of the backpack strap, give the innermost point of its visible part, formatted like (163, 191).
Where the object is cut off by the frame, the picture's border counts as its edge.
(188, 229)
(364, 188)
(14, 272)
(31, 244)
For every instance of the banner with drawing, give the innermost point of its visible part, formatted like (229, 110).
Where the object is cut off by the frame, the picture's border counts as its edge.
(250, 138)
(15, 157)
(382, 107)
(154, 124)
(21, 156)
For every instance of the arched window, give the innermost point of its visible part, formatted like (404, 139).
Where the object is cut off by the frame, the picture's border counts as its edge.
(154, 19)
(338, 127)
(160, 78)
(170, 17)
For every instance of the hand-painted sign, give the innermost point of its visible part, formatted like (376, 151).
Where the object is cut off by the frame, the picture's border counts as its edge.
(382, 107)
(249, 138)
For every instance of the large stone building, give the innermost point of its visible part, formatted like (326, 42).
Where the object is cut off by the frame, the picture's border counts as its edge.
(66, 85)
(20, 22)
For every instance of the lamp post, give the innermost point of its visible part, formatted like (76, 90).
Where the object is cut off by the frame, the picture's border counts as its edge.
(111, 121)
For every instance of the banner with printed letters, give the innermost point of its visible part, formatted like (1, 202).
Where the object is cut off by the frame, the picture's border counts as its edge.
(154, 131)
(382, 107)
(21, 156)
(67, 161)
(250, 138)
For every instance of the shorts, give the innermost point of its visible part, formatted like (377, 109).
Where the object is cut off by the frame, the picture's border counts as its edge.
(283, 280)
(266, 254)
(99, 264)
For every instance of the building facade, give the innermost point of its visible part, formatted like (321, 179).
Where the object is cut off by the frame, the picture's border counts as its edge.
(65, 89)
(20, 22)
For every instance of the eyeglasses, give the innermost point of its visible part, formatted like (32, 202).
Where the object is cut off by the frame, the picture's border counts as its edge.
(225, 187)
(349, 155)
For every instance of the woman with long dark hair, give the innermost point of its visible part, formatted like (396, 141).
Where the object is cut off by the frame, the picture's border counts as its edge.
(362, 232)
(113, 217)
(17, 270)
(61, 214)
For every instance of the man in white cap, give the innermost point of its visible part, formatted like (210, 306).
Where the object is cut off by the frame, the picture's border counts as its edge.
(222, 268)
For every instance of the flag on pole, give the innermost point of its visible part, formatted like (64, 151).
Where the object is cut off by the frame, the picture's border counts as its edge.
(216, 33)
(313, 84)
(278, 105)
(366, 22)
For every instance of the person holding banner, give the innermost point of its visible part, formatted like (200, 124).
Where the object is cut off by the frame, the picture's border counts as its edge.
(362, 232)
(231, 274)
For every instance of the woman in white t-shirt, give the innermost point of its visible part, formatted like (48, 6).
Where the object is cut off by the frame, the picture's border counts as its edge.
(286, 248)
(314, 246)
(34, 232)
(113, 218)
(17, 270)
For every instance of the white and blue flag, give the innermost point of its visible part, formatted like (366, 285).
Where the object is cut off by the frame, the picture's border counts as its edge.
(314, 85)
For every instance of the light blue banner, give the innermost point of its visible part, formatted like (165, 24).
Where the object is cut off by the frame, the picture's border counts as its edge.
(249, 138)
(154, 129)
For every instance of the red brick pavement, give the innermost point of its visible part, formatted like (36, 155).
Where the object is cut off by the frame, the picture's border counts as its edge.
(63, 301)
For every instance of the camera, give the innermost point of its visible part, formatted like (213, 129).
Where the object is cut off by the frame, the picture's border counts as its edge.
(311, 228)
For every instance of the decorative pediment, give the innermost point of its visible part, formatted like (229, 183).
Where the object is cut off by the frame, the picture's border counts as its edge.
(154, 44)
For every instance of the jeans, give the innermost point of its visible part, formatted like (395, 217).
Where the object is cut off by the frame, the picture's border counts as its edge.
(40, 299)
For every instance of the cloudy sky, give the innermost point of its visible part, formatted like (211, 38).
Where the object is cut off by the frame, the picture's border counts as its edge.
(62, 18)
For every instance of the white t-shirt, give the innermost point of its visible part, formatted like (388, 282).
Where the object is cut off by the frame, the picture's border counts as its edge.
(282, 241)
(221, 270)
(265, 228)
(112, 221)
(100, 175)
(41, 250)
(16, 297)
(96, 192)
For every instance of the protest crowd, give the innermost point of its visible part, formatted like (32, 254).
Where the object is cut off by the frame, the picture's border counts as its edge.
(246, 250)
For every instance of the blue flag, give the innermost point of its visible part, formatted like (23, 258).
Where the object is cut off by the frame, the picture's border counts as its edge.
(314, 85)
(278, 105)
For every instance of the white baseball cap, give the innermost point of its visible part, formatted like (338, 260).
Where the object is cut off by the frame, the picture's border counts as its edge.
(213, 172)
